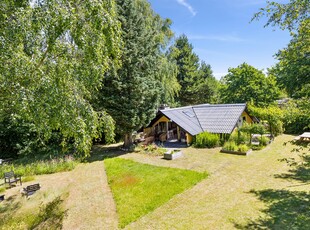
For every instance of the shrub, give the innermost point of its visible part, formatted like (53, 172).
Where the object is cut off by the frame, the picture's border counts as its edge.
(231, 146)
(206, 140)
(243, 148)
(239, 137)
(264, 140)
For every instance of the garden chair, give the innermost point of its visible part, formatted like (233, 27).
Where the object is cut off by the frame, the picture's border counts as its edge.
(10, 177)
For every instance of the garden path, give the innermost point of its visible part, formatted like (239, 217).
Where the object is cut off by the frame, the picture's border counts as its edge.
(90, 203)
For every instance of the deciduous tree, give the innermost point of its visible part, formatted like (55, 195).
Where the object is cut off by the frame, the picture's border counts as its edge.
(247, 84)
(53, 55)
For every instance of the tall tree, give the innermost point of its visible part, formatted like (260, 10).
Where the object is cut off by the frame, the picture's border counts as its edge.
(188, 64)
(197, 82)
(132, 94)
(246, 84)
(293, 68)
(285, 15)
(53, 55)
(206, 87)
(292, 71)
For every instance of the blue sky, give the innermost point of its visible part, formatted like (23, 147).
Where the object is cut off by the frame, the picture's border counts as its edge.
(221, 32)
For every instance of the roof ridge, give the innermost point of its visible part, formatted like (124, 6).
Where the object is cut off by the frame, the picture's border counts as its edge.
(198, 119)
(205, 105)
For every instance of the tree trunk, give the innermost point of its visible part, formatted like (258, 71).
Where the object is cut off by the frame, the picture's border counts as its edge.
(127, 140)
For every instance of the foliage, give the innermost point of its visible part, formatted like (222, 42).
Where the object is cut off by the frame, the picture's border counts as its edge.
(198, 85)
(264, 140)
(286, 15)
(297, 116)
(53, 56)
(140, 188)
(206, 140)
(151, 149)
(231, 146)
(272, 114)
(243, 148)
(27, 167)
(293, 69)
(247, 84)
(132, 94)
(239, 137)
(205, 87)
(17, 137)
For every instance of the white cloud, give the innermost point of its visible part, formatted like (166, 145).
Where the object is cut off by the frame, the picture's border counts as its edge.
(188, 6)
(222, 38)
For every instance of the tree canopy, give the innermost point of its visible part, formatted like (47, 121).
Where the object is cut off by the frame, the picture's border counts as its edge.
(247, 84)
(285, 15)
(53, 55)
(197, 82)
(293, 69)
(132, 94)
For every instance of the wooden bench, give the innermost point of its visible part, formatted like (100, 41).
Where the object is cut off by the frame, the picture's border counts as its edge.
(30, 189)
(10, 177)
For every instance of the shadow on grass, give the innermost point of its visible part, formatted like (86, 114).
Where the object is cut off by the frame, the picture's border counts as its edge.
(286, 210)
(300, 170)
(101, 152)
(7, 208)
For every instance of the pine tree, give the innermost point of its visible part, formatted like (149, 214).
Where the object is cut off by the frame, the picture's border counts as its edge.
(197, 83)
(131, 94)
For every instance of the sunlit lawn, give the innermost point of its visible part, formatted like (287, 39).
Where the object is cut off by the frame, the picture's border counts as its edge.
(140, 188)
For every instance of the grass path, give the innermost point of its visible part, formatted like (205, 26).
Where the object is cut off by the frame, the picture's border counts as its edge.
(90, 203)
(224, 199)
(88, 198)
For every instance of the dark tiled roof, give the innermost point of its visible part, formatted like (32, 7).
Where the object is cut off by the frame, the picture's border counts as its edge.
(219, 118)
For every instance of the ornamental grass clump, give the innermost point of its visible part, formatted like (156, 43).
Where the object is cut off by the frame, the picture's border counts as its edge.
(207, 140)
(264, 141)
(243, 148)
(231, 146)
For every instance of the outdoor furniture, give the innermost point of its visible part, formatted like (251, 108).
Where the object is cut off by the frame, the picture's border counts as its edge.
(305, 136)
(10, 177)
(148, 140)
(30, 189)
(5, 161)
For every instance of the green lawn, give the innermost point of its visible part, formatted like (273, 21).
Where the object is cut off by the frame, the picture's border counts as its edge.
(140, 188)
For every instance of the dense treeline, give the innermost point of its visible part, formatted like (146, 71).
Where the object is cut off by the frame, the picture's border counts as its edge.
(75, 71)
